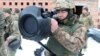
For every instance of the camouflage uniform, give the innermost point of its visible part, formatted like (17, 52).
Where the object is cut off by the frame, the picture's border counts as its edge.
(2, 24)
(13, 40)
(69, 38)
(14, 36)
(86, 19)
(8, 22)
(15, 15)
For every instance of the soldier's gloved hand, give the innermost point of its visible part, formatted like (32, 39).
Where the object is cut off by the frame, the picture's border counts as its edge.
(13, 42)
(54, 25)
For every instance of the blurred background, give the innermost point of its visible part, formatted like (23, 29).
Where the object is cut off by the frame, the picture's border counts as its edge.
(47, 5)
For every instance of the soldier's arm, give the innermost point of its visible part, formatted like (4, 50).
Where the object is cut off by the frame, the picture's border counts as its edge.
(90, 21)
(10, 45)
(81, 19)
(72, 43)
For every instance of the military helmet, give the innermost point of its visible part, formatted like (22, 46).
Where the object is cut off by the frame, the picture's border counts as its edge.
(7, 10)
(86, 8)
(61, 4)
(17, 10)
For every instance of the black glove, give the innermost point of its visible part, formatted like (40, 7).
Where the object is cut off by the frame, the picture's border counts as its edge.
(14, 42)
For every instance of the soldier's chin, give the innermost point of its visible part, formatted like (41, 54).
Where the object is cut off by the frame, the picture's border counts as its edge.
(61, 18)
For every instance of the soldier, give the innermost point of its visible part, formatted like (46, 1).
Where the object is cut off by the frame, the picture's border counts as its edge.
(15, 15)
(86, 18)
(8, 22)
(14, 40)
(12, 37)
(68, 36)
(2, 24)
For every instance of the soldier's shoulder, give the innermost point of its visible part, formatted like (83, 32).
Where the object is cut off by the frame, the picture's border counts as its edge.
(74, 16)
(15, 17)
(1, 15)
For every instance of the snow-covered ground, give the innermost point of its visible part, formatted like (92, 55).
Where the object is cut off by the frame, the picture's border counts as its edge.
(93, 48)
(30, 46)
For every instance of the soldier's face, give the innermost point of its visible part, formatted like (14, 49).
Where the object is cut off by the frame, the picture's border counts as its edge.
(84, 11)
(6, 14)
(62, 14)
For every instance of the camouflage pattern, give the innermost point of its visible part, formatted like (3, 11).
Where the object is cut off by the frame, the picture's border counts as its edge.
(2, 24)
(10, 45)
(15, 23)
(12, 41)
(14, 36)
(15, 16)
(69, 38)
(7, 10)
(9, 24)
(86, 19)
(66, 4)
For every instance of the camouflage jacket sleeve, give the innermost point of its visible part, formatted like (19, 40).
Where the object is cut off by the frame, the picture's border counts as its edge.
(71, 42)
(10, 46)
(2, 24)
(90, 20)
